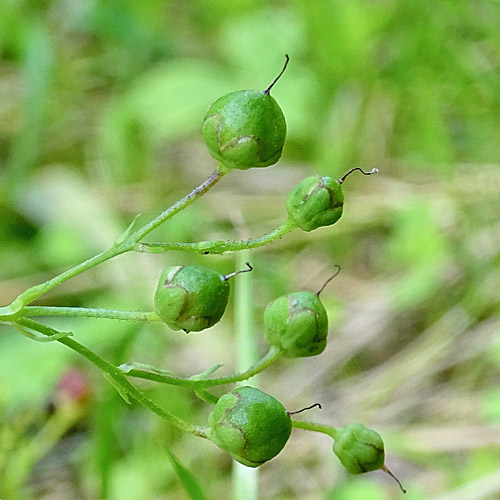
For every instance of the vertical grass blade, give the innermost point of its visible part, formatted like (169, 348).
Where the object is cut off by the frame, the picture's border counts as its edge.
(187, 479)
(245, 479)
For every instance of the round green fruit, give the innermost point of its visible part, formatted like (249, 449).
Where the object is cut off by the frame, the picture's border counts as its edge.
(359, 449)
(315, 202)
(245, 129)
(296, 324)
(191, 298)
(250, 425)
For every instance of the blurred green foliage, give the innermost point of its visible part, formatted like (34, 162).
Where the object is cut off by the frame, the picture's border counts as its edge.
(100, 115)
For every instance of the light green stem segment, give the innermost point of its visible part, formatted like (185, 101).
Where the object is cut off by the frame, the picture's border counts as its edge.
(245, 479)
(122, 245)
(219, 246)
(88, 312)
(150, 373)
(246, 342)
(118, 378)
(311, 426)
(9, 312)
(180, 205)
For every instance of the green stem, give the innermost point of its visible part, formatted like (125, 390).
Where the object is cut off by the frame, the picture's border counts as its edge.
(196, 193)
(311, 426)
(149, 373)
(9, 312)
(245, 479)
(218, 246)
(88, 312)
(118, 377)
(246, 342)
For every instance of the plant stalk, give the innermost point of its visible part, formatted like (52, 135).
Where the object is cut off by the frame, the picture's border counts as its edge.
(246, 479)
(118, 377)
(10, 312)
(217, 247)
(147, 372)
(311, 426)
(88, 312)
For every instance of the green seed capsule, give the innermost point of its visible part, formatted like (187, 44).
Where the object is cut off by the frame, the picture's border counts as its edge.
(245, 129)
(297, 324)
(250, 425)
(315, 202)
(359, 449)
(318, 201)
(191, 298)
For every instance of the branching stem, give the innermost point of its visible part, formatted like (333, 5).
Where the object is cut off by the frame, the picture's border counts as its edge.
(126, 245)
(218, 246)
(88, 312)
(150, 373)
(118, 377)
(180, 205)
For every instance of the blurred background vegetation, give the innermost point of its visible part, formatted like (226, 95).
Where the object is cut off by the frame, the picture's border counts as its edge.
(101, 104)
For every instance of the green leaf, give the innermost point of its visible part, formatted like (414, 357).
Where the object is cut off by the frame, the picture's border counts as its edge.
(187, 479)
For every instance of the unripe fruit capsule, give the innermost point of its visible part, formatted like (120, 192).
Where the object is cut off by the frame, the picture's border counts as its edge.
(318, 201)
(359, 449)
(297, 324)
(315, 202)
(245, 128)
(191, 298)
(250, 425)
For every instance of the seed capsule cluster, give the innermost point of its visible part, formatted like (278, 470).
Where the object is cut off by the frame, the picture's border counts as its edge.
(250, 425)
(242, 130)
(194, 298)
